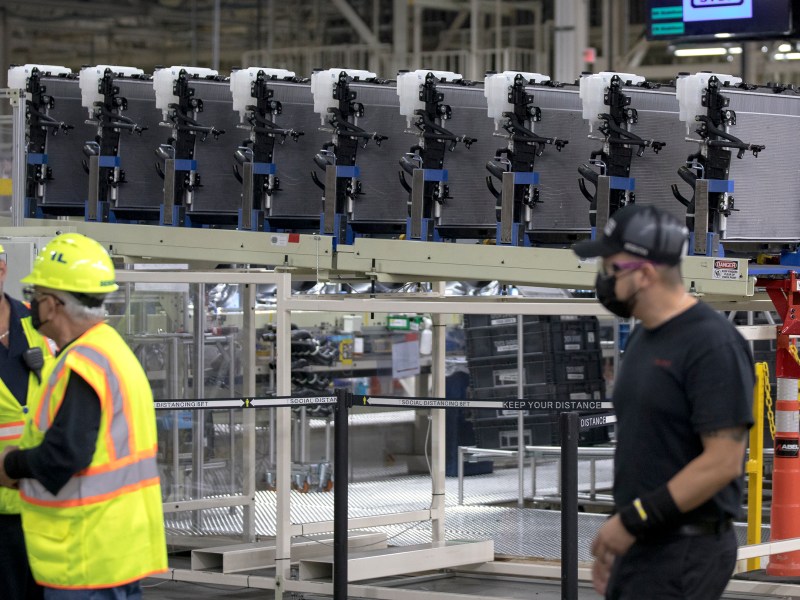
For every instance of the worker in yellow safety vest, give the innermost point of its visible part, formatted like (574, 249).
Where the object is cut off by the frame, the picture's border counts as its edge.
(23, 352)
(87, 473)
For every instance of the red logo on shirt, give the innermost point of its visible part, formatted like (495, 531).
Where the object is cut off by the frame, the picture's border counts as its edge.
(662, 362)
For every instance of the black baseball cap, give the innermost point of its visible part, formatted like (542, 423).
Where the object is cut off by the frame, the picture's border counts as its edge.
(643, 231)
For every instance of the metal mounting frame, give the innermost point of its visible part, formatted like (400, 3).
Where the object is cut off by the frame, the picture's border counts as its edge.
(785, 295)
(18, 99)
(371, 258)
(384, 260)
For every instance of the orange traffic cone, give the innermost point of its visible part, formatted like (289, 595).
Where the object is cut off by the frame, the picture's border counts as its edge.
(786, 479)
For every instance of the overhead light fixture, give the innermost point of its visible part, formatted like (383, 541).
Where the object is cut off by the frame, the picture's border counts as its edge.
(792, 56)
(785, 48)
(722, 51)
(779, 56)
(723, 35)
(687, 52)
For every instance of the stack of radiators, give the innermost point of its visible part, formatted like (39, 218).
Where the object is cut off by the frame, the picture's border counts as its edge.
(766, 188)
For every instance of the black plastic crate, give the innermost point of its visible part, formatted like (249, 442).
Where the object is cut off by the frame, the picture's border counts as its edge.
(588, 391)
(503, 340)
(574, 336)
(479, 343)
(497, 335)
(509, 392)
(572, 367)
(503, 372)
(471, 321)
(502, 433)
(538, 368)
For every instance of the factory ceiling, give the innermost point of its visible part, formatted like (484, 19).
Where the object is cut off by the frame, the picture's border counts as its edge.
(146, 33)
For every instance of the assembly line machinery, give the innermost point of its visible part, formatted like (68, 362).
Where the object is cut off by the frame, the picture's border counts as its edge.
(189, 147)
(268, 169)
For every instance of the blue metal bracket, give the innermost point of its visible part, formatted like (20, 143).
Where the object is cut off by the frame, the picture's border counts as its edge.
(720, 186)
(36, 212)
(179, 217)
(185, 164)
(428, 226)
(349, 236)
(518, 236)
(103, 212)
(709, 246)
(348, 171)
(622, 183)
(526, 178)
(109, 162)
(35, 158)
(264, 168)
(256, 220)
(769, 270)
(435, 175)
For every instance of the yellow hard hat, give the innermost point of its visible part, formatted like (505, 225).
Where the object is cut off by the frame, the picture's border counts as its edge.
(74, 263)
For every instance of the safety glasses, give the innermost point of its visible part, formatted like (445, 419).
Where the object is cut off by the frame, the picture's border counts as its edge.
(29, 293)
(617, 267)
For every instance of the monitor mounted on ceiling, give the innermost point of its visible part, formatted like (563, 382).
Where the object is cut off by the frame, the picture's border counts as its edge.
(709, 20)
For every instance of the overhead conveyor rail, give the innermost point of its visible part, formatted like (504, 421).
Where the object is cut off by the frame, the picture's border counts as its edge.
(382, 260)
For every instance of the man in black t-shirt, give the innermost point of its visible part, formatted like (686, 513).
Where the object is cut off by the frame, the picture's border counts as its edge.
(683, 399)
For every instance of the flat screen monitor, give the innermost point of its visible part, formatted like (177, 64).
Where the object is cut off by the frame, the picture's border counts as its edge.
(707, 20)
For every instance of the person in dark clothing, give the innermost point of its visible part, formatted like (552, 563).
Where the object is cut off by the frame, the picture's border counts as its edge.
(683, 400)
(19, 382)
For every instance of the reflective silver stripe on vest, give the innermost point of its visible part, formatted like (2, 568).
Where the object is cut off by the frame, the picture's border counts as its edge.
(8, 432)
(44, 411)
(120, 432)
(89, 487)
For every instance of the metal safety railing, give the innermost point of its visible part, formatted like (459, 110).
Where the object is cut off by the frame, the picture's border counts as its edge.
(585, 454)
(569, 429)
(569, 424)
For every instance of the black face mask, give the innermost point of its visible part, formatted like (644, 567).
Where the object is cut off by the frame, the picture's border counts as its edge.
(35, 319)
(607, 296)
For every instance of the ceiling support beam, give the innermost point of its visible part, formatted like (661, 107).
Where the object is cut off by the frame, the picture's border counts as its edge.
(400, 34)
(363, 30)
(571, 38)
(447, 34)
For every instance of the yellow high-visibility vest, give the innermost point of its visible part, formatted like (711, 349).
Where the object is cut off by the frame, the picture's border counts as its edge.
(12, 413)
(105, 527)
